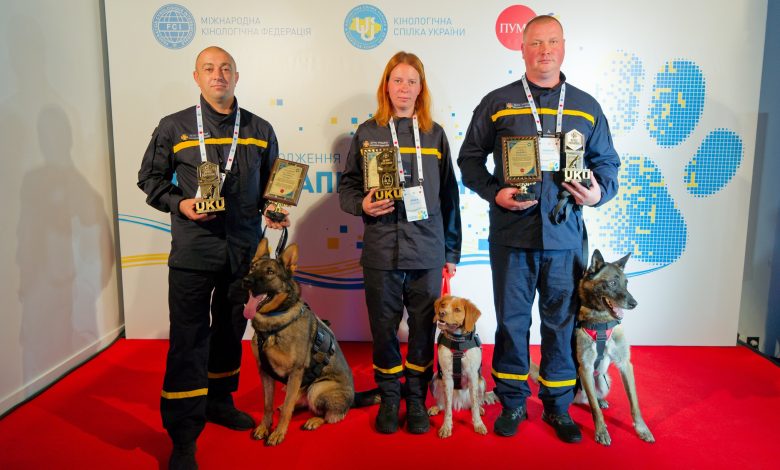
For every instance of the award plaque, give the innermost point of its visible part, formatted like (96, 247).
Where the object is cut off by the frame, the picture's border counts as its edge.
(380, 171)
(574, 148)
(284, 186)
(208, 183)
(520, 161)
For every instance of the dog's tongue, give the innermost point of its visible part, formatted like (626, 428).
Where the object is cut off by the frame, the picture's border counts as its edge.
(251, 305)
(617, 312)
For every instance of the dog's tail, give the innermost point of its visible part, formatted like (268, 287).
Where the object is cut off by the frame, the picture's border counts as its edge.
(367, 398)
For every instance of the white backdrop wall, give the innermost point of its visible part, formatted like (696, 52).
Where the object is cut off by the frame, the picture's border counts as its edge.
(60, 301)
(678, 81)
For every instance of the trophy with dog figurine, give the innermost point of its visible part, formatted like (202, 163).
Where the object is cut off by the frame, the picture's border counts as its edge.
(574, 148)
(380, 171)
(209, 181)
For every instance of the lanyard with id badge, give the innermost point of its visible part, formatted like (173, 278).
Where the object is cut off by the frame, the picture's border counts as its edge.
(414, 196)
(549, 145)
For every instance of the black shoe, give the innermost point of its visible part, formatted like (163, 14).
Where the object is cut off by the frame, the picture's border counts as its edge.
(566, 429)
(417, 421)
(225, 414)
(507, 423)
(183, 457)
(387, 418)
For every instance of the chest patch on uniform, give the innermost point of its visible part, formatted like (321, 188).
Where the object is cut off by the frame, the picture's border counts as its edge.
(517, 105)
(376, 143)
(185, 137)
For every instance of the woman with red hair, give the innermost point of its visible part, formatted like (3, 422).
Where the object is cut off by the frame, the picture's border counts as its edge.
(410, 208)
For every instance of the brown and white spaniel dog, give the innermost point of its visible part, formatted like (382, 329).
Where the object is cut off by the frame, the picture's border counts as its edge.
(459, 382)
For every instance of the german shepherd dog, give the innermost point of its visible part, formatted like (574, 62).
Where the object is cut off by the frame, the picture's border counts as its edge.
(603, 296)
(293, 346)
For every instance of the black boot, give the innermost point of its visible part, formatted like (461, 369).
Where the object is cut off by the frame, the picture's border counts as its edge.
(387, 418)
(565, 427)
(221, 410)
(417, 421)
(183, 457)
(510, 418)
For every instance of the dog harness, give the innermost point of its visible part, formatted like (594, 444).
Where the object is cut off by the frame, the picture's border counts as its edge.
(600, 332)
(458, 345)
(322, 349)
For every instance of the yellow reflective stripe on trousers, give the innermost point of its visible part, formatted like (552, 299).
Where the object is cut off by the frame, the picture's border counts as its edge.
(220, 141)
(566, 112)
(424, 151)
(222, 375)
(394, 370)
(557, 383)
(419, 368)
(502, 375)
(188, 394)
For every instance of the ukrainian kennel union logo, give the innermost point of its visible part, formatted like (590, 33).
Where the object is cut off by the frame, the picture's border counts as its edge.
(173, 26)
(365, 26)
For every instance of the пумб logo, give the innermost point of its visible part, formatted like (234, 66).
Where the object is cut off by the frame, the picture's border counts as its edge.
(173, 26)
(365, 26)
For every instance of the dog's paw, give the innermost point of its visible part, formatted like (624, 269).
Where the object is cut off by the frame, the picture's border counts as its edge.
(490, 398)
(445, 431)
(260, 433)
(481, 410)
(480, 428)
(275, 438)
(603, 404)
(313, 423)
(644, 433)
(602, 437)
(434, 410)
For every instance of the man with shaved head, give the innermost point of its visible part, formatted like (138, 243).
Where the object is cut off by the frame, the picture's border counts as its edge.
(537, 235)
(209, 250)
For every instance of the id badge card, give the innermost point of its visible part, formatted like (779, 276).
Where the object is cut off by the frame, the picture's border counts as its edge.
(414, 202)
(550, 153)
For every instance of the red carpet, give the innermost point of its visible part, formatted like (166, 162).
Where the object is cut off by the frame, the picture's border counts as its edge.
(707, 407)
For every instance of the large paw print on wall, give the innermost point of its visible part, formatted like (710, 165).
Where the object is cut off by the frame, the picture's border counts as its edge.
(643, 218)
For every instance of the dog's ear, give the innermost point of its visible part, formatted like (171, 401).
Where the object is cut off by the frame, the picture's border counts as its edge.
(262, 250)
(596, 262)
(622, 261)
(436, 306)
(472, 315)
(290, 257)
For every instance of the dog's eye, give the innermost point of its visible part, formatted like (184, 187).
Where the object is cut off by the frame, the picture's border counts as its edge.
(612, 283)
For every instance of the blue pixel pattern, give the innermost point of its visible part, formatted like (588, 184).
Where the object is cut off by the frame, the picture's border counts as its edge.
(643, 218)
(677, 102)
(715, 163)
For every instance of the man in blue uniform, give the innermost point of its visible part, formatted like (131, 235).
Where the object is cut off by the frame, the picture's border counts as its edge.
(209, 251)
(536, 245)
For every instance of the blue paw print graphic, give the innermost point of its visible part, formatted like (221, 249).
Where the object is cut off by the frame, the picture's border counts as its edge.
(644, 218)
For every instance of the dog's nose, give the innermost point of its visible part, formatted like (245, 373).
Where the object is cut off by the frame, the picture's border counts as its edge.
(632, 302)
(246, 282)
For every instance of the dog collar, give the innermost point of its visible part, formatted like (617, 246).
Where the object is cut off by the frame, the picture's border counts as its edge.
(461, 342)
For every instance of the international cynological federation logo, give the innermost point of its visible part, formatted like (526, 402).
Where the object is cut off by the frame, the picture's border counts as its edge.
(173, 26)
(365, 26)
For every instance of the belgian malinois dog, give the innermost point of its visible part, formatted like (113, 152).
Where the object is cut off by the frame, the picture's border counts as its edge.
(293, 346)
(600, 340)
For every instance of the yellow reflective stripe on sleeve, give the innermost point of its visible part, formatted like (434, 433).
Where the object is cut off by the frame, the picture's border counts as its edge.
(419, 368)
(394, 370)
(557, 383)
(220, 141)
(566, 112)
(424, 151)
(188, 394)
(222, 375)
(502, 375)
